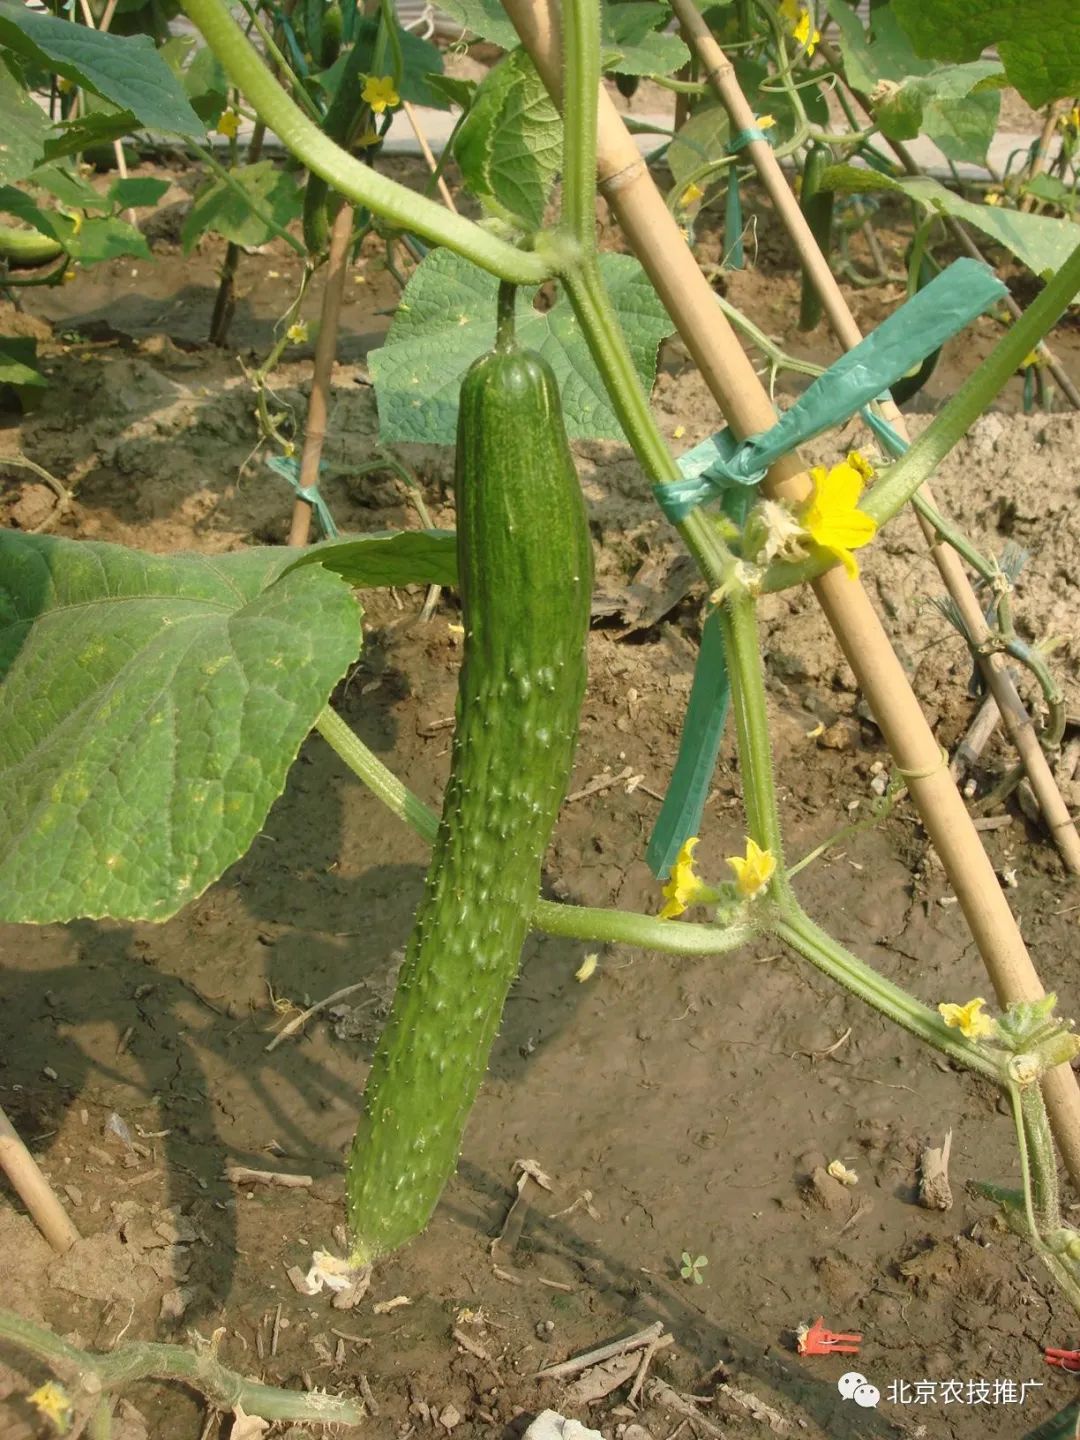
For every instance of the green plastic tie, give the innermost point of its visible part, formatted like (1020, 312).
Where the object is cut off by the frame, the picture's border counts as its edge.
(747, 137)
(733, 226)
(702, 731)
(289, 470)
(922, 324)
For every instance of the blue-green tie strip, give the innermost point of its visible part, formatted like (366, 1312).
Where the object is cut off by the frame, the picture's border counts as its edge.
(289, 470)
(723, 468)
(733, 243)
(922, 324)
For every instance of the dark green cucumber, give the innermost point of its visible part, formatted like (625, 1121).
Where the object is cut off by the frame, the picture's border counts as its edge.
(817, 206)
(525, 568)
(911, 383)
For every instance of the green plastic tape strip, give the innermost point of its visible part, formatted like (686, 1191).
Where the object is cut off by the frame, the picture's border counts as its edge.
(699, 745)
(733, 246)
(289, 470)
(702, 732)
(922, 324)
(746, 137)
(894, 443)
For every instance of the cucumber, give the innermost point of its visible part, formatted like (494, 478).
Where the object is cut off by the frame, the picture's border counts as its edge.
(817, 206)
(525, 571)
(27, 249)
(910, 384)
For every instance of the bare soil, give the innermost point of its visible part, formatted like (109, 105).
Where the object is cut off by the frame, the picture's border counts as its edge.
(695, 1103)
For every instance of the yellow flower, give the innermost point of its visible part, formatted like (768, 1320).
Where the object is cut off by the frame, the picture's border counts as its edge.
(690, 195)
(379, 93)
(968, 1021)
(68, 276)
(228, 124)
(832, 517)
(684, 888)
(765, 122)
(861, 464)
(993, 197)
(54, 1403)
(802, 27)
(1069, 121)
(297, 333)
(679, 431)
(1031, 360)
(753, 871)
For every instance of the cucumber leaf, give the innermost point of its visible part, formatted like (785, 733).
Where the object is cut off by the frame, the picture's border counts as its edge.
(509, 146)
(392, 557)
(1038, 40)
(1041, 242)
(24, 126)
(124, 69)
(241, 207)
(446, 320)
(150, 708)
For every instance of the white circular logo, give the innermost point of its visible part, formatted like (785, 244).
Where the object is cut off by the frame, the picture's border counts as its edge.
(849, 1383)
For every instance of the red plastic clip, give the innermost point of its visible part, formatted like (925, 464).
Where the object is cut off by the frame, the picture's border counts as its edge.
(1063, 1359)
(816, 1340)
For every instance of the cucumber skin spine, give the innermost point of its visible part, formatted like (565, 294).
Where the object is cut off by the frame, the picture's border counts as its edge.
(525, 569)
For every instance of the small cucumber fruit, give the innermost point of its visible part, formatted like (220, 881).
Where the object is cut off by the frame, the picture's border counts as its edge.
(817, 206)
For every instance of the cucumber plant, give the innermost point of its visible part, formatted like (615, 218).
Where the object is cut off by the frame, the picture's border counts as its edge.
(257, 640)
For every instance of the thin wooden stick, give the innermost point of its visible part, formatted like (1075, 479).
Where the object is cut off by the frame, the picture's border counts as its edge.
(34, 1190)
(1042, 150)
(720, 76)
(654, 236)
(638, 1341)
(433, 164)
(325, 355)
(299, 1021)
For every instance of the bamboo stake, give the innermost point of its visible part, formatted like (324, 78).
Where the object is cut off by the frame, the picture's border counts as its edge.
(34, 1190)
(655, 238)
(432, 163)
(325, 355)
(720, 76)
(1042, 150)
(957, 230)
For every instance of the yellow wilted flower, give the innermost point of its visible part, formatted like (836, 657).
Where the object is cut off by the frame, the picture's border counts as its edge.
(968, 1020)
(684, 888)
(53, 1401)
(228, 124)
(691, 195)
(380, 93)
(587, 968)
(753, 871)
(832, 517)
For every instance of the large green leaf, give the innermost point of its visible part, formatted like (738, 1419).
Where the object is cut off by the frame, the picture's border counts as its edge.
(23, 127)
(1041, 242)
(446, 319)
(124, 69)
(956, 106)
(150, 708)
(390, 557)
(635, 42)
(485, 18)
(1038, 40)
(242, 207)
(509, 146)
